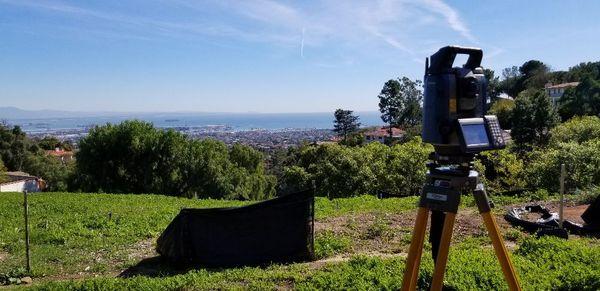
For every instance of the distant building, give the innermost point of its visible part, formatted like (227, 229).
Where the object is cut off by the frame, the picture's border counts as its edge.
(20, 181)
(61, 155)
(556, 91)
(380, 134)
(505, 96)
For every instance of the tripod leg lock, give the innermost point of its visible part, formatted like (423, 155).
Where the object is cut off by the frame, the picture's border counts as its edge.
(481, 199)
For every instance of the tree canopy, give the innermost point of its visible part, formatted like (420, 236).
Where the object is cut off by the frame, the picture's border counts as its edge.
(581, 100)
(493, 87)
(345, 123)
(400, 102)
(340, 171)
(135, 157)
(533, 74)
(503, 109)
(533, 117)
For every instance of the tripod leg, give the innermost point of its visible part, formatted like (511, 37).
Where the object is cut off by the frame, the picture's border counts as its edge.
(499, 248)
(507, 268)
(414, 252)
(435, 232)
(442, 254)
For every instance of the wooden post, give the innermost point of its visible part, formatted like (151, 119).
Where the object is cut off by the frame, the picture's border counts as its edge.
(26, 213)
(562, 193)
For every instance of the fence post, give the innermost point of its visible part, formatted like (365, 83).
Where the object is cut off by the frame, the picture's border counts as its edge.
(562, 193)
(26, 214)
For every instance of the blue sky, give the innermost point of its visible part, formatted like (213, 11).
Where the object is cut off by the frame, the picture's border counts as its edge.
(263, 55)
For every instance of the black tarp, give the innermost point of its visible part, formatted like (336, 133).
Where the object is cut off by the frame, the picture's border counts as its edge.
(591, 215)
(279, 230)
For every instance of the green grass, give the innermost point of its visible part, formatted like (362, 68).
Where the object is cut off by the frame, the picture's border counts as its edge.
(71, 232)
(361, 204)
(543, 264)
(328, 244)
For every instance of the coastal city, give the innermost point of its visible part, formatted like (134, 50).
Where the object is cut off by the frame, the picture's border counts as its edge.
(264, 139)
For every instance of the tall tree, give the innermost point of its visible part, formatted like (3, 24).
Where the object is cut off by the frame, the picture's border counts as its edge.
(532, 118)
(589, 69)
(345, 123)
(14, 147)
(3, 177)
(510, 78)
(400, 103)
(493, 90)
(532, 74)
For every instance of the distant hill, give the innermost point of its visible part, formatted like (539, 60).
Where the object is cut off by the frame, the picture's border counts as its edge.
(18, 113)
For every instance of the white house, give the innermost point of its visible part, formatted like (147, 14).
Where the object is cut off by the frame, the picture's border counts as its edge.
(20, 181)
(556, 91)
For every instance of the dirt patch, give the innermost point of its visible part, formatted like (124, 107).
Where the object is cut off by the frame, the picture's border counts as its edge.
(572, 211)
(143, 249)
(391, 233)
(3, 256)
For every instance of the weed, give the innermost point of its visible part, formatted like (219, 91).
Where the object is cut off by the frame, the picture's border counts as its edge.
(328, 244)
(380, 228)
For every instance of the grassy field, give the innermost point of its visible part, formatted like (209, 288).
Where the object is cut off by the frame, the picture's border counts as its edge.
(87, 241)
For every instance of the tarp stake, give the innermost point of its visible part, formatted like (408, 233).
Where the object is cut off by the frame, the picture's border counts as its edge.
(562, 193)
(26, 214)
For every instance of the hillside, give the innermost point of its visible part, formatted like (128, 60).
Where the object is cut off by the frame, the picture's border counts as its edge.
(104, 241)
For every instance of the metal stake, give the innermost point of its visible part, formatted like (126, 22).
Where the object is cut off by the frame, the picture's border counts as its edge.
(26, 213)
(562, 193)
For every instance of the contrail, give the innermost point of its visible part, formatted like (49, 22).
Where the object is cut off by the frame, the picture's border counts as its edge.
(302, 44)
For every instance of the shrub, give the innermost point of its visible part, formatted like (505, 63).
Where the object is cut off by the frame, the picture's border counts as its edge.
(577, 129)
(501, 170)
(341, 171)
(533, 117)
(135, 157)
(401, 169)
(328, 244)
(582, 163)
(503, 109)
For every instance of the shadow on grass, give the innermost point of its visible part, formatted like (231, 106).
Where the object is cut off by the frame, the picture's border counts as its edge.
(155, 267)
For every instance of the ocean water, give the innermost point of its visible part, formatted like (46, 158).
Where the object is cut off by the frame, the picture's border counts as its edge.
(226, 121)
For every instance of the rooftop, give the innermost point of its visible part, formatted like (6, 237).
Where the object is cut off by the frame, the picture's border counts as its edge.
(563, 85)
(18, 176)
(384, 131)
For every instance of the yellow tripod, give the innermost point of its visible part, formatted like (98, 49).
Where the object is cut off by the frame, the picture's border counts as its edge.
(442, 193)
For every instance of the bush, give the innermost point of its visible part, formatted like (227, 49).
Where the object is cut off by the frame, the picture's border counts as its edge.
(533, 117)
(135, 157)
(582, 163)
(328, 244)
(55, 173)
(577, 129)
(501, 170)
(401, 169)
(503, 109)
(341, 171)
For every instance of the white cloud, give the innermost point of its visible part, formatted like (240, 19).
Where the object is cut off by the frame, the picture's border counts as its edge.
(451, 15)
(327, 26)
